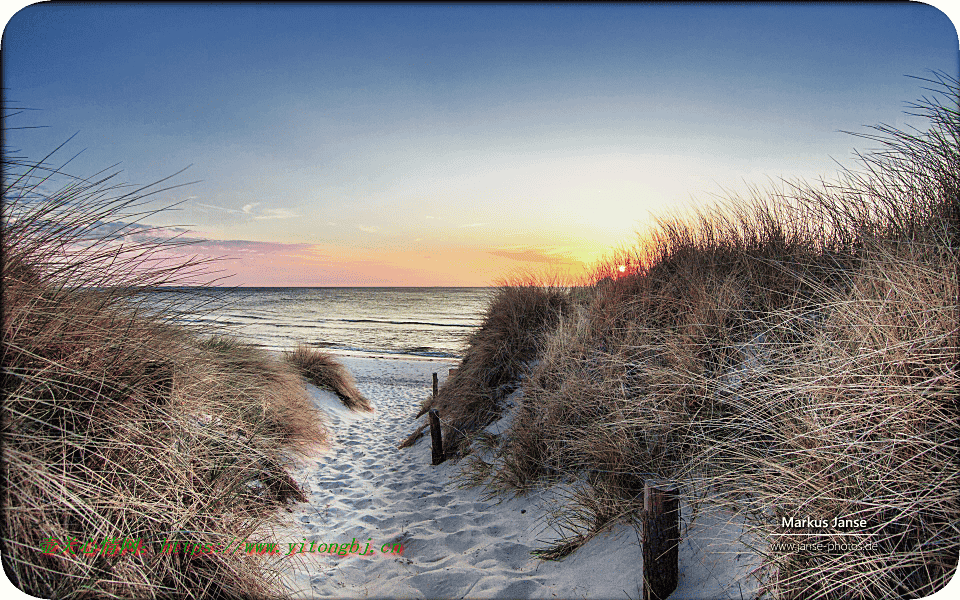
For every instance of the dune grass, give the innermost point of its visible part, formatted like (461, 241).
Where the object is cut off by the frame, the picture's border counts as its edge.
(323, 370)
(119, 424)
(791, 354)
(521, 310)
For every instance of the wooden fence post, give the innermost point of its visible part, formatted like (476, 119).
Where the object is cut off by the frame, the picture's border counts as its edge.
(438, 456)
(661, 540)
(435, 386)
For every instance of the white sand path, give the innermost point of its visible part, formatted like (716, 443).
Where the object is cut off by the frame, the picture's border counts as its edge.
(455, 544)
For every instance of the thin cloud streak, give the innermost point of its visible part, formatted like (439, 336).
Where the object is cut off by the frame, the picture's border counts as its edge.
(538, 255)
(275, 213)
(229, 210)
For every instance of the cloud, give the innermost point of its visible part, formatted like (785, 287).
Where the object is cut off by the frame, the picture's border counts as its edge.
(473, 225)
(263, 246)
(230, 210)
(122, 231)
(366, 229)
(538, 255)
(261, 215)
(275, 213)
(178, 237)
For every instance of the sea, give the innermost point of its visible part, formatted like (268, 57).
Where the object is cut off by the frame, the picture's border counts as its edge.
(427, 322)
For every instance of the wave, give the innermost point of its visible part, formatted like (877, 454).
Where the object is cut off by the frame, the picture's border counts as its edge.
(409, 351)
(349, 321)
(425, 351)
(406, 323)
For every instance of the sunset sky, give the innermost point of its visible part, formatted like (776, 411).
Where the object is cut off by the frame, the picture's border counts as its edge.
(450, 145)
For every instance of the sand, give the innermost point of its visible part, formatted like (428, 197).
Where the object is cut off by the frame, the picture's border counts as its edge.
(454, 543)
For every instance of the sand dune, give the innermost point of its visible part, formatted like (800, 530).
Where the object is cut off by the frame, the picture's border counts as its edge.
(455, 544)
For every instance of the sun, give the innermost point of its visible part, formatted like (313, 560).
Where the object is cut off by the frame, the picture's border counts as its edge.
(622, 268)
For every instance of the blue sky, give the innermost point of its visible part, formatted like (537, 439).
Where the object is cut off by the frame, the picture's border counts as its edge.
(447, 145)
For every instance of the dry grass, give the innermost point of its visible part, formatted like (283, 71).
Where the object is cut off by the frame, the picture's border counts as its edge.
(854, 418)
(259, 389)
(793, 354)
(323, 371)
(522, 311)
(118, 424)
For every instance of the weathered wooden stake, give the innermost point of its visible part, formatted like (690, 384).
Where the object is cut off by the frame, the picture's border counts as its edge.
(435, 386)
(438, 456)
(661, 540)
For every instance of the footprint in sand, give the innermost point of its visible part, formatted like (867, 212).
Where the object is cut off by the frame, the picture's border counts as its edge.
(453, 543)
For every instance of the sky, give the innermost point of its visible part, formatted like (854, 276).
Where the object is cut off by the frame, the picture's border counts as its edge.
(444, 145)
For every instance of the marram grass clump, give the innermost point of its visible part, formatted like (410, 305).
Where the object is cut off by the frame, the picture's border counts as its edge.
(323, 370)
(121, 429)
(521, 312)
(794, 354)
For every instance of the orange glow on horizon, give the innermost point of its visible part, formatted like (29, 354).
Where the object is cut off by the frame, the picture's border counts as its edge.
(322, 265)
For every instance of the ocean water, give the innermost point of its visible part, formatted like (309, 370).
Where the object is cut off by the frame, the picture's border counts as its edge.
(416, 322)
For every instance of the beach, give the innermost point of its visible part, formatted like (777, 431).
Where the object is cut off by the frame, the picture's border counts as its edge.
(455, 543)
(695, 270)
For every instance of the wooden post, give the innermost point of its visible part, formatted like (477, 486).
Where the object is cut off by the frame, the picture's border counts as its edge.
(435, 386)
(661, 540)
(438, 456)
